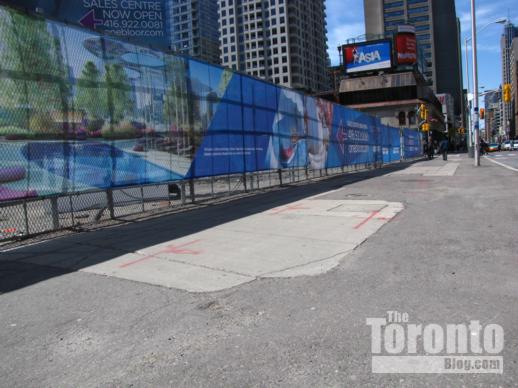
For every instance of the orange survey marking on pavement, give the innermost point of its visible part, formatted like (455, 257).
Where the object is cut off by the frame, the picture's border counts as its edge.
(370, 217)
(174, 249)
(289, 208)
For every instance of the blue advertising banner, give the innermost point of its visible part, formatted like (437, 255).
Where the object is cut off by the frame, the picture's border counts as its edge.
(395, 144)
(359, 134)
(141, 21)
(413, 144)
(391, 144)
(367, 56)
(98, 112)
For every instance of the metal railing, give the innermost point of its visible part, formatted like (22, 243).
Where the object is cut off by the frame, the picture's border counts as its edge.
(30, 217)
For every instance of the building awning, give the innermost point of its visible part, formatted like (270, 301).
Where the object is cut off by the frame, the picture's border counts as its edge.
(381, 81)
(372, 105)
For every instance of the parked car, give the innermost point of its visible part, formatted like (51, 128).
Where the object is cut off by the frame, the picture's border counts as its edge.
(515, 145)
(493, 147)
(507, 145)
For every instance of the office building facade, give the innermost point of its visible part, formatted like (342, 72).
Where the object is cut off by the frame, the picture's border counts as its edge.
(510, 32)
(514, 88)
(438, 35)
(493, 120)
(194, 29)
(282, 41)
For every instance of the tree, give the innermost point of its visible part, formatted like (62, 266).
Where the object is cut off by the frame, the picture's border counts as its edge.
(177, 109)
(30, 53)
(90, 97)
(119, 93)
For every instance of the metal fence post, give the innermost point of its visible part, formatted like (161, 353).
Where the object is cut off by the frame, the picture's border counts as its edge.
(54, 212)
(245, 183)
(142, 198)
(191, 191)
(26, 218)
(182, 188)
(109, 199)
(279, 171)
(71, 203)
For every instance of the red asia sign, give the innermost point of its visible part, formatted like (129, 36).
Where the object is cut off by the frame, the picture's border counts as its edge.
(406, 48)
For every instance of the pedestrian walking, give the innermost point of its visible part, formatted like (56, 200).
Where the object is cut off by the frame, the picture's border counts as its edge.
(482, 147)
(443, 149)
(429, 148)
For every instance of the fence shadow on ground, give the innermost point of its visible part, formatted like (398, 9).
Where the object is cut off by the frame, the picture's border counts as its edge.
(97, 246)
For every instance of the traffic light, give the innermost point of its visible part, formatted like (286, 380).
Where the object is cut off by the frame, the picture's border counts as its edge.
(425, 127)
(482, 113)
(507, 93)
(423, 112)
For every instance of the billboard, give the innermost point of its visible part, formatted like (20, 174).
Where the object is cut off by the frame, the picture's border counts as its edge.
(406, 48)
(367, 56)
(141, 21)
(99, 113)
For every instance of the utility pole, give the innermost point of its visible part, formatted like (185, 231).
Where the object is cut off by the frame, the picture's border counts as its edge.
(468, 116)
(476, 123)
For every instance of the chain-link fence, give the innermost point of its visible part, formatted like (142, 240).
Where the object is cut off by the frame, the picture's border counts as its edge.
(94, 128)
(32, 216)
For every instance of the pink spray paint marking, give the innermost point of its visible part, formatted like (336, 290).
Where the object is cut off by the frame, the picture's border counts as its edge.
(370, 217)
(289, 208)
(174, 249)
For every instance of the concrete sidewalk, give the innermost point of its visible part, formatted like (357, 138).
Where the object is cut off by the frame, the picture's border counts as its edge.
(306, 266)
(307, 237)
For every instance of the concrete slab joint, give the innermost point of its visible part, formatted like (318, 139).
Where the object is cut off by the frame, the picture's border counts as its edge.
(303, 238)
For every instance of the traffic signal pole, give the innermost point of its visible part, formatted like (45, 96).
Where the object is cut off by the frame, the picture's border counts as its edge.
(476, 123)
(469, 116)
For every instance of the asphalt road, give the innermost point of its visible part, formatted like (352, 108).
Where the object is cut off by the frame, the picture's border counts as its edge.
(449, 257)
(508, 158)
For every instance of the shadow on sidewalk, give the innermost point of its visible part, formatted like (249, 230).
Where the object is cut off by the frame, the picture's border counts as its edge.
(28, 265)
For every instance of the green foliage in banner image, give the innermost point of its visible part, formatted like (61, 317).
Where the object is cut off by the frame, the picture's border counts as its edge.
(119, 93)
(176, 104)
(30, 52)
(90, 97)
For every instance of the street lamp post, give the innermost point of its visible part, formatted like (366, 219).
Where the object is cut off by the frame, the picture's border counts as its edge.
(471, 119)
(470, 145)
(475, 83)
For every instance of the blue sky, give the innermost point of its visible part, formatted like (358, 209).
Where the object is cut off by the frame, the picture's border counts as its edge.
(345, 20)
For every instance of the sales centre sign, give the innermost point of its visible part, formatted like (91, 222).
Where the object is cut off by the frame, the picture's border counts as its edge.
(143, 21)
